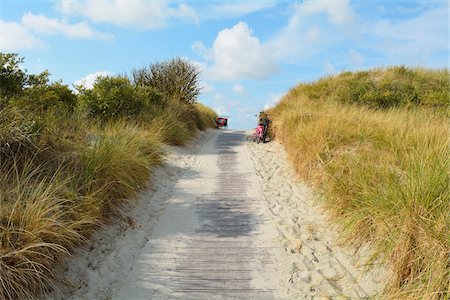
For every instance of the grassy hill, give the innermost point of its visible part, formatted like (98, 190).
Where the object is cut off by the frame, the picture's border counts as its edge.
(376, 143)
(68, 161)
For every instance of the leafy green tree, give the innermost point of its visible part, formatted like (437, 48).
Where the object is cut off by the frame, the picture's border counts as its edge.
(12, 78)
(176, 78)
(32, 91)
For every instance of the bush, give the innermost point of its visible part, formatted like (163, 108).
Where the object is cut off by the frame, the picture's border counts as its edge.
(176, 79)
(116, 97)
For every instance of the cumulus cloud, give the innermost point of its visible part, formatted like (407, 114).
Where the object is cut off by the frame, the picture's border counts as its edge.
(89, 80)
(44, 25)
(139, 14)
(14, 37)
(218, 97)
(238, 54)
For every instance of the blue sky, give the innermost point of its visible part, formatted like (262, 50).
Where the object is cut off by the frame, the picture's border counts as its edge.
(250, 52)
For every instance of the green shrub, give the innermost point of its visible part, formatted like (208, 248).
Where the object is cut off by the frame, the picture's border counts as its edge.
(31, 91)
(384, 88)
(116, 97)
(176, 78)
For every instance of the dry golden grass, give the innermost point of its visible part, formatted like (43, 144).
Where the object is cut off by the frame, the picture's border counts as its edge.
(385, 178)
(61, 177)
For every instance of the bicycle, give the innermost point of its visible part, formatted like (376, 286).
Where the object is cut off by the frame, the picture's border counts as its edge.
(258, 135)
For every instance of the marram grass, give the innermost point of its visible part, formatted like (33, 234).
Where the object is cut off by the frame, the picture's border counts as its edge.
(384, 175)
(62, 176)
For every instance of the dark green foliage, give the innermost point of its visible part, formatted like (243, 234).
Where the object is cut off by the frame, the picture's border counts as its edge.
(116, 97)
(12, 77)
(45, 96)
(31, 91)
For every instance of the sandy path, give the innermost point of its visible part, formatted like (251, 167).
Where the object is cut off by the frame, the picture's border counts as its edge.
(98, 268)
(207, 230)
(212, 242)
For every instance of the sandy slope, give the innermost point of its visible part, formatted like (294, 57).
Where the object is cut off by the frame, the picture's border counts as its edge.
(223, 219)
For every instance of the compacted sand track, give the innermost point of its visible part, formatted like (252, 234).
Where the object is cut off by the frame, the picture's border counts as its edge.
(224, 220)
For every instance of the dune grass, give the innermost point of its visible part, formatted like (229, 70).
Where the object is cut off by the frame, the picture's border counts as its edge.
(66, 169)
(383, 173)
(60, 183)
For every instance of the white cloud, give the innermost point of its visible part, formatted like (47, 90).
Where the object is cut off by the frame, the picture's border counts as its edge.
(313, 34)
(199, 48)
(238, 54)
(139, 14)
(44, 25)
(274, 99)
(239, 89)
(338, 11)
(14, 37)
(235, 9)
(412, 39)
(89, 80)
(305, 34)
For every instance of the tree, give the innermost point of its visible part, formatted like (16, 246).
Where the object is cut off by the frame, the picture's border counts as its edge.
(33, 91)
(176, 78)
(12, 78)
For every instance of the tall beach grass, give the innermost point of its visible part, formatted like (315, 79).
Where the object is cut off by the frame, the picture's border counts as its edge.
(65, 169)
(383, 169)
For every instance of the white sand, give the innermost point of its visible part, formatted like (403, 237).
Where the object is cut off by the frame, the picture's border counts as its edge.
(101, 266)
(317, 265)
(292, 252)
